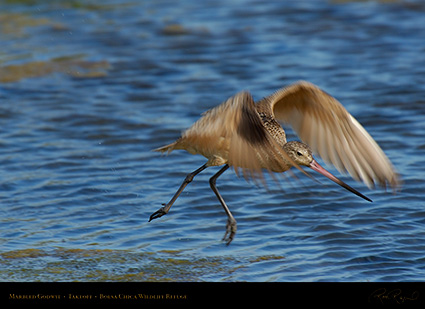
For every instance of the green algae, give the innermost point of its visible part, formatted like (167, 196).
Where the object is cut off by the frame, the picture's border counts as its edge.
(25, 253)
(14, 24)
(74, 67)
(65, 264)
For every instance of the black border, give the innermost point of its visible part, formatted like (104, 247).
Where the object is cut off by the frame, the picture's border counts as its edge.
(158, 293)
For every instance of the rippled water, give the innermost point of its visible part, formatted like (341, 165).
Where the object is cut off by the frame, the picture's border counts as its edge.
(88, 88)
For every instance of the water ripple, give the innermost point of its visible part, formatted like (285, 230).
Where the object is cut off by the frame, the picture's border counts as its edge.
(88, 91)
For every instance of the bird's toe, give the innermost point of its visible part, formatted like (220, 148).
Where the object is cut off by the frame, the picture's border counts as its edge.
(231, 228)
(157, 214)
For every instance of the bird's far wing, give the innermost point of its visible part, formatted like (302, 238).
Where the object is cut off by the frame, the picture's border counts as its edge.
(326, 126)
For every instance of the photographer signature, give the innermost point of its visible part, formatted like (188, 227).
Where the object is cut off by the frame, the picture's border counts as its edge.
(393, 296)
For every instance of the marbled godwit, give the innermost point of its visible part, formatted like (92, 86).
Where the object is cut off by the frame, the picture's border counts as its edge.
(248, 136)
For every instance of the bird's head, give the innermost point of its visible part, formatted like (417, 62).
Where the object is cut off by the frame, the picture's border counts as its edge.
(299, 152)
(302, 155)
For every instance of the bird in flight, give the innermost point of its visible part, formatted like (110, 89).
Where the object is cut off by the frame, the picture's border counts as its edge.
(247, 136)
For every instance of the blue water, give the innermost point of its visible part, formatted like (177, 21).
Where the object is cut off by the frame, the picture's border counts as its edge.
(89, 88)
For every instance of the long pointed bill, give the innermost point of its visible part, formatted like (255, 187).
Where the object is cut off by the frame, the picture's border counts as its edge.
(316, 166)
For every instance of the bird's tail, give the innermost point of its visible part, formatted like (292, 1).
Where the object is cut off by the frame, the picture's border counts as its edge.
(167, 148)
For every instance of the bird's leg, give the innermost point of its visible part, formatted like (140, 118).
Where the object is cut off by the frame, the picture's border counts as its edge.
(164, 210)
(231, 222)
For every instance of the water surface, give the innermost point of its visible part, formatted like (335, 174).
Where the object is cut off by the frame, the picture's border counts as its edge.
(89, 88)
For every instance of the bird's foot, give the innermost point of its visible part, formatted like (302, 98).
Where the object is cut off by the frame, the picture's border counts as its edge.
(231, 228)
(159, 213)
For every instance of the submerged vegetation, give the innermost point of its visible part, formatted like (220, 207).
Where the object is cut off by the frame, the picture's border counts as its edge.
(116, 265)
(74, 67)
(15, 66)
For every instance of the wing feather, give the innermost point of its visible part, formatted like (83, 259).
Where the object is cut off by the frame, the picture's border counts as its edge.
(326, 126)
(252, 148)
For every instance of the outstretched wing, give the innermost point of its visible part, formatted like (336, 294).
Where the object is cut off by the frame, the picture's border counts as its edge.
(325, 125)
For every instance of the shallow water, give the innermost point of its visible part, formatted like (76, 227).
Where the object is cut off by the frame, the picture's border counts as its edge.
(88, 88)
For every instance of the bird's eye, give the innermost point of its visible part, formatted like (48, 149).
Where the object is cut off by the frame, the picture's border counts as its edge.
(299, 153)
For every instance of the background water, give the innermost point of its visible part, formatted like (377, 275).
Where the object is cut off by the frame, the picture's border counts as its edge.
(88, 88)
